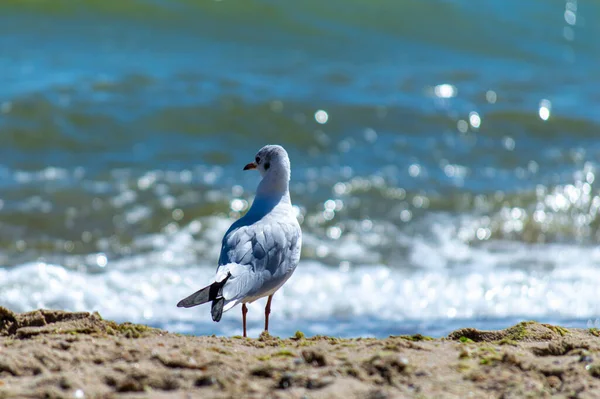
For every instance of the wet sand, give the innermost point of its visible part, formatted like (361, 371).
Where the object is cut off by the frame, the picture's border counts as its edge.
(56, 354)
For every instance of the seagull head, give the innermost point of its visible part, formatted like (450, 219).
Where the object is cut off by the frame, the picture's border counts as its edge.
(271, 160)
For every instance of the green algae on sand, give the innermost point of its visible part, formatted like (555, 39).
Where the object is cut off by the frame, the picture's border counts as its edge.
(40, 322)
(39, 350)
(525, 331)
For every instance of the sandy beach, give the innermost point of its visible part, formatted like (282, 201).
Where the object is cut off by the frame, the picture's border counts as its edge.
(56, 354)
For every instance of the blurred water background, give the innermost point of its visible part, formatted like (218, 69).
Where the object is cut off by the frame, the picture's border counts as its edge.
(444, 158)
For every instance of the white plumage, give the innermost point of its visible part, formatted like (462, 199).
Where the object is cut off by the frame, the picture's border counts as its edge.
(261, 250)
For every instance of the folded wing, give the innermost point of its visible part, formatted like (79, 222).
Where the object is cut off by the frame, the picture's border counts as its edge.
(258, 258)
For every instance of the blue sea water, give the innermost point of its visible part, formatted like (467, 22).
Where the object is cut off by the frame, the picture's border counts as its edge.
(444, 157)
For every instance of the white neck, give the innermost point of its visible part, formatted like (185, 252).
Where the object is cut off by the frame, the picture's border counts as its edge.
(272, 192)
(275, 184)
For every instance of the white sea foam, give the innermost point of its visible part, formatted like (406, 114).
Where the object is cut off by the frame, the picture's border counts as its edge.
(440, 279)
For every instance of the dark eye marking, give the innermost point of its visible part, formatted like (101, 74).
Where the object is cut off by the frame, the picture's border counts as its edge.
(257, 159)
(267, 165)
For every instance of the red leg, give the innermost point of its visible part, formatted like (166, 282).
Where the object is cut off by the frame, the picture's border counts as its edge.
(267, 312)
(244, 311)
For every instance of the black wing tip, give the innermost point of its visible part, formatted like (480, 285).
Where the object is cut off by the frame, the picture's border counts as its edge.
(212, 292)
(197, 298)
(216, 309)
(187, 302)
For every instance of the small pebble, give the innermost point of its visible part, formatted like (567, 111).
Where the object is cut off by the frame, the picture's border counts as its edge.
(586, 359)
(554, 381)
(205, 381)
(286, 381)
(64, 383)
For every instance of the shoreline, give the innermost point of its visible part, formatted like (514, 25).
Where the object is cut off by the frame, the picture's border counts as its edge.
(57, 354)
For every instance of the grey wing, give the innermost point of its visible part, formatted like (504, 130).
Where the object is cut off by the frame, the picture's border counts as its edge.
(259, 258)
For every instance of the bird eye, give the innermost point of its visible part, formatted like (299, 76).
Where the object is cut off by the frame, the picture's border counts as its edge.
(257, 159)
(267, 165)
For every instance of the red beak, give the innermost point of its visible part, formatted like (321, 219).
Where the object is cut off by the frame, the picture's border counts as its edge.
(251, 165)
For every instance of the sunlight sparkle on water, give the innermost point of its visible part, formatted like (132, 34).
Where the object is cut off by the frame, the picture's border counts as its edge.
(340, 188)
(334, 232)
(370, 135)
(509, 143)
(321, 117)
(414, 170)
(483, 233)
(238, 205)
(329, 205)
(406, 215)
(445, 90)
(475, 119)
(177, 214)
(545, 108)
(570, 17)
(101, 260)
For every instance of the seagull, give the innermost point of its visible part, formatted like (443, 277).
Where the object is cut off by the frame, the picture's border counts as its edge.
(261, 250)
